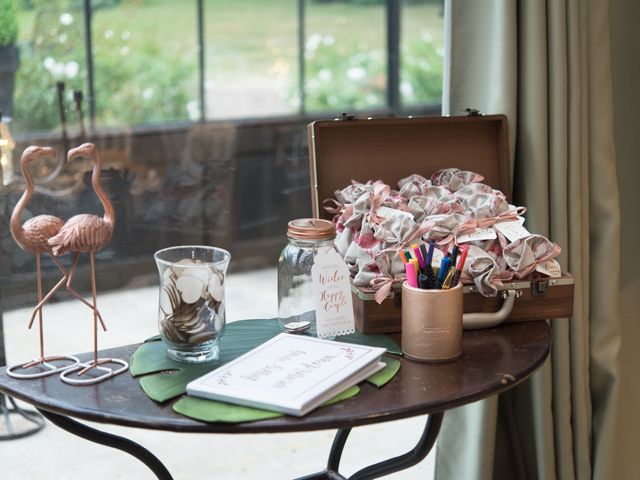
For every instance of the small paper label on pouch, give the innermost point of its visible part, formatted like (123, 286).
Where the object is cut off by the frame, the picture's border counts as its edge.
(436, 260)
(550, 267)
(332, 294)
(484, 233)
(512, 230)
(386, 212)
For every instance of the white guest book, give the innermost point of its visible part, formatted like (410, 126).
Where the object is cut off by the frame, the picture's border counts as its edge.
(290, 373)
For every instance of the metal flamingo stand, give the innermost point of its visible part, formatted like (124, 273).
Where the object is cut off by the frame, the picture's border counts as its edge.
(32, 236)
(87, 233)
(8, 407)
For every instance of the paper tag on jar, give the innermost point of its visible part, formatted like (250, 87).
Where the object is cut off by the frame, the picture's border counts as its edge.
(332, 294)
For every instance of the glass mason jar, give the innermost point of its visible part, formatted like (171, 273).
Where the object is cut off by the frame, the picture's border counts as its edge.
(191, 314)
(295, 284)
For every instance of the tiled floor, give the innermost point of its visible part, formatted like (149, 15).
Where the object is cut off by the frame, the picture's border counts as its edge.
(131, 317)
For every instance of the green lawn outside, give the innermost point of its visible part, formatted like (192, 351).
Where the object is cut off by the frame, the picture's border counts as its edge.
(150, 46)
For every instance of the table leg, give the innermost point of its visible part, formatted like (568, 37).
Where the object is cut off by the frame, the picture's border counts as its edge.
(386, 467)
(336, 449)
(110, 440)
(8, 407)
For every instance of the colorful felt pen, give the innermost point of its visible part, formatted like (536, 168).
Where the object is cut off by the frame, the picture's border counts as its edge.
(429, 258)
(431, 276)
(423, 250)
(403, 257)
(460, 266)
(442, 273)
(415, 267)
(411, 274)
(418, 254)
(423, 281)
(454, 255)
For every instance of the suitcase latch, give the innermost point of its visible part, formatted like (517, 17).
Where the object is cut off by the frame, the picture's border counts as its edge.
(539, 287)
(345, 116)
(473, 112)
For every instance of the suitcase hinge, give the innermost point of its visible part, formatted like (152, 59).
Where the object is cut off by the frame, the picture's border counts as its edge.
(539, 287)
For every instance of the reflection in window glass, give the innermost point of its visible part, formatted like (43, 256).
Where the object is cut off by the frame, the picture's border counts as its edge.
(51, 64)
(345, 55)
(422, 51)
(232, 184)
(146, 61)
(251, 58)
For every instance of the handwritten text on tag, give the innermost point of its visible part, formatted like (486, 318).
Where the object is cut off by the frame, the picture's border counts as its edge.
(484, 233)
(550, 267)
(332, 294)
(386, 212)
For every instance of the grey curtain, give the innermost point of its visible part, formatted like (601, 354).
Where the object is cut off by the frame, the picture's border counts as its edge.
(546, 64)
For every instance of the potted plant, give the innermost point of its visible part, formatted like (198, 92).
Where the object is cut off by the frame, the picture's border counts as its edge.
(9, 54)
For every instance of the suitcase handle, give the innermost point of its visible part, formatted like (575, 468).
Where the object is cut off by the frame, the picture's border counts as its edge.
(475, 321)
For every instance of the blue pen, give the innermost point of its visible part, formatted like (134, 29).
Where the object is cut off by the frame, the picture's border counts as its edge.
(430, 252)
(442, 273)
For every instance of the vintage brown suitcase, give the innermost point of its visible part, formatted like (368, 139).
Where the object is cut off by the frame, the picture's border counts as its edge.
(392, 148)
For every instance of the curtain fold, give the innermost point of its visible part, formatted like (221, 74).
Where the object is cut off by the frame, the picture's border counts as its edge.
(546, 65)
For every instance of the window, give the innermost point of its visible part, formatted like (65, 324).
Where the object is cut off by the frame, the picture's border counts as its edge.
(199, 108)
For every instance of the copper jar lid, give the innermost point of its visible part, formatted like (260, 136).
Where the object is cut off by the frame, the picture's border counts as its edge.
(311, 229)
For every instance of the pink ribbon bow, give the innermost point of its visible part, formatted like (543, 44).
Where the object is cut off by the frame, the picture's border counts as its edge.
(475, 223)
(384, 284)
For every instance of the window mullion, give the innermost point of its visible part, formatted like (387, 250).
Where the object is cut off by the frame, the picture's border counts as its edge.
(88, 39)
(301, 58)
(393, 55)
(201, 60)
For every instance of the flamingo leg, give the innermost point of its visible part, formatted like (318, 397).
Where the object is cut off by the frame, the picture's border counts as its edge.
(55, 288)
(39, 280)
(44, 300)
(95, 309)
(95, 362)
(44, 361)
(72, 271)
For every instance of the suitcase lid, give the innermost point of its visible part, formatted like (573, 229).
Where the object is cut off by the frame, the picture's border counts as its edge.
(390, 149)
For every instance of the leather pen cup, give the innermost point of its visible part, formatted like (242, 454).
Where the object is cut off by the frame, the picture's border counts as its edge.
(432, 323)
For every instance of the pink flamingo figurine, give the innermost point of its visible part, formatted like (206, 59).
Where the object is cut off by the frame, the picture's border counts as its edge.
(86, 233)
(32, 237)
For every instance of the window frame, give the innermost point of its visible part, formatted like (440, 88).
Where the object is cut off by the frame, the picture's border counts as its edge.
(393, 107)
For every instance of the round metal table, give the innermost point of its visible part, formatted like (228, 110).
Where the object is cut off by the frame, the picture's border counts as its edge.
(493, 361)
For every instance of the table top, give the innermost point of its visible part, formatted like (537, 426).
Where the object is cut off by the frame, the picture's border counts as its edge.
(493, 360)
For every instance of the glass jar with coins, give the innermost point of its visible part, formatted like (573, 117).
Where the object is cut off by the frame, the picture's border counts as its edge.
(191, 312)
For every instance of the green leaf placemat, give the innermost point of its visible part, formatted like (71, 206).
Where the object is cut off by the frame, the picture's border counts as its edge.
(170, 378)
(212, 411)
(163, 379)
(386, 374)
